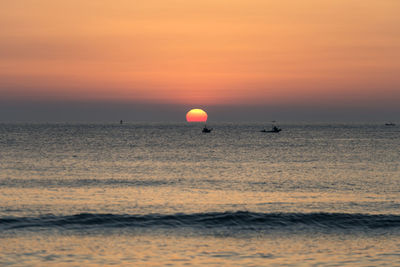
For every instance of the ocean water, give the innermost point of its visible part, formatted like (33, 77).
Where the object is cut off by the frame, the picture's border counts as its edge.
(165, 194)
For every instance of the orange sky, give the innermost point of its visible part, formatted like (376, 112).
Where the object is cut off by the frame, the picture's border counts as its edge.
(205, 52)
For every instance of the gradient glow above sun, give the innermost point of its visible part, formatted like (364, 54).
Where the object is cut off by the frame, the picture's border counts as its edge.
(196, 115)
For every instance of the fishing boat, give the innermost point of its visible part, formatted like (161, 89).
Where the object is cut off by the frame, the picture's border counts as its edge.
(274, 129)
(207, 130)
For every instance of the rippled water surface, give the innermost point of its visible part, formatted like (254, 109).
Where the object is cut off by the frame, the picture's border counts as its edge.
(158, 194)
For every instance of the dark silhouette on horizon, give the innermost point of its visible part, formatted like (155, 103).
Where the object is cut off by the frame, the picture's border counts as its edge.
(207, 130)
(275, 129)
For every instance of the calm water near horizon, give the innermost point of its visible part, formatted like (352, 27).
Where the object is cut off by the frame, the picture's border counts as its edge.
(161, 194)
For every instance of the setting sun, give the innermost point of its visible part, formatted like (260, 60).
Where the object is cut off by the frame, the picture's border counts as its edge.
(196, 115)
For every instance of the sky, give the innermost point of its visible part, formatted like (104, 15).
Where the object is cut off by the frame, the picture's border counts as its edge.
(153, 60)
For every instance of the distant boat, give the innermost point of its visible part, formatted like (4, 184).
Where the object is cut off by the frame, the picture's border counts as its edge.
(207, 130)
(274, 129)
(390, 124)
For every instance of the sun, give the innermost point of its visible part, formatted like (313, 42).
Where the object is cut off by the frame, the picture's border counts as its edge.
(196, 115)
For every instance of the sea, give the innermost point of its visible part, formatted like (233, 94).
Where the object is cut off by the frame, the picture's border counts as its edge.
(166, 194)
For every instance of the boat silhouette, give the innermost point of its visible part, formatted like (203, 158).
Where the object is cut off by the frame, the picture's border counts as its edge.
(207, 130)
(274, 129)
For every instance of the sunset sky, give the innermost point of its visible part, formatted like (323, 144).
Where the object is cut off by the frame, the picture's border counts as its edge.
(254, 56)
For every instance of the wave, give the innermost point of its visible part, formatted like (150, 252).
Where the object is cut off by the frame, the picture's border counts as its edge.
(32, 183)
(239, 220)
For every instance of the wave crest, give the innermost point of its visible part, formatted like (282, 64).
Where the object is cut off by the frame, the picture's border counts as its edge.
(240, 220)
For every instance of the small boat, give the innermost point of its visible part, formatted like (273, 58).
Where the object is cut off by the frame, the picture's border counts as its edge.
(274, 130)
(207, 130)
(390, 124)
